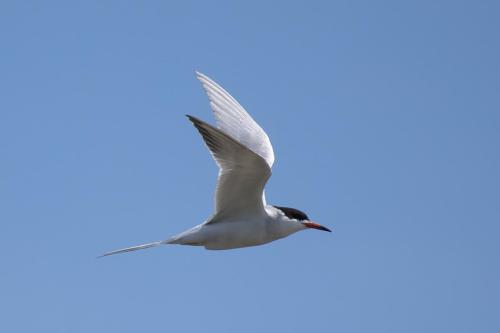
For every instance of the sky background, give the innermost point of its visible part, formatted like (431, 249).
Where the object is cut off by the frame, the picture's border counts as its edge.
(385, 121)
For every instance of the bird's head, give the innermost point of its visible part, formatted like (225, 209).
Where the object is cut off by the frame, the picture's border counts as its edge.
(300, 218)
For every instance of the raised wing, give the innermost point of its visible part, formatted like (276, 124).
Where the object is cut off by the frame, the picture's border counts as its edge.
(233, 120)
(242, 175)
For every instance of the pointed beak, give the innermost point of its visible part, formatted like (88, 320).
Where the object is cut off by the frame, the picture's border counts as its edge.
(314, 225)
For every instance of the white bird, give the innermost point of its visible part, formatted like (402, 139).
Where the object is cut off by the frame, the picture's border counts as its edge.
(244, 154)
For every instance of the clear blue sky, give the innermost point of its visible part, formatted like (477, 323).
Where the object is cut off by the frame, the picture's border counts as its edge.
(385, 120)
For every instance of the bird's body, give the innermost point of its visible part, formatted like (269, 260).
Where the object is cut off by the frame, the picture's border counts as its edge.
(238, 232)
(245, 157)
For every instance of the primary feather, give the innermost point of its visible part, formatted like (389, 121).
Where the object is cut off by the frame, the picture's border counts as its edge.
(233, 120)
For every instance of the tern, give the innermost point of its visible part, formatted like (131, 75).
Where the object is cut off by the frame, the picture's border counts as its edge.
(244, 154)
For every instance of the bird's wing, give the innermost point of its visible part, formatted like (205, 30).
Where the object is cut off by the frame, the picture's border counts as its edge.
(233, 120)
(242, 173)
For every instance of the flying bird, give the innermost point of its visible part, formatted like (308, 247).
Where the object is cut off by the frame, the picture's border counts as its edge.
(244, 154)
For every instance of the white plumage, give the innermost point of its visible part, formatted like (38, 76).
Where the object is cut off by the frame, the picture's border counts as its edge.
(244, 154)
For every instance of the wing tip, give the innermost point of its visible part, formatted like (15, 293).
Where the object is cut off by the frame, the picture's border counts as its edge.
(200, 125)
(200, 76)
(193, 119)
(208, 84)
